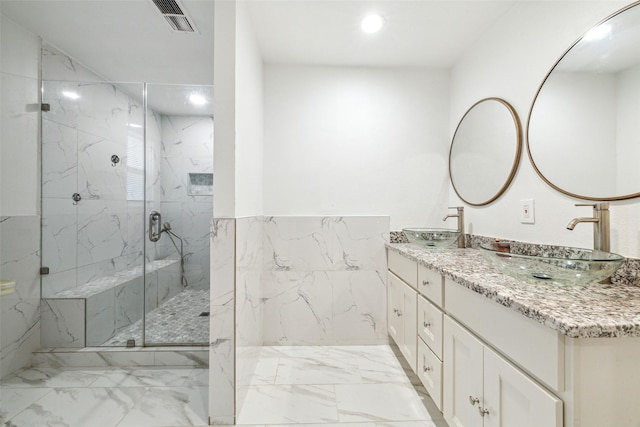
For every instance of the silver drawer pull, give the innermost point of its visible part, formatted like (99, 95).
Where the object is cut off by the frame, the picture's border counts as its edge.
(426, 368)
(425, 283)
(473, 400)
(483, 411)
(426, 324)
(399, 313)
(395, 310)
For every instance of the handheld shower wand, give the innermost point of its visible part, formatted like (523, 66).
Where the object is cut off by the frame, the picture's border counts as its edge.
(166, 228)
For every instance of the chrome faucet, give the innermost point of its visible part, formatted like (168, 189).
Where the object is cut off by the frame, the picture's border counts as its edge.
(460, 216)
(600, 220)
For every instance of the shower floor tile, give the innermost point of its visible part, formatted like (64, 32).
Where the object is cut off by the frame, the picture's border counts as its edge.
(177, 320)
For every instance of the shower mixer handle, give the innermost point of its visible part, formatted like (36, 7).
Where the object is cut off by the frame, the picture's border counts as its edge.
(155, 221)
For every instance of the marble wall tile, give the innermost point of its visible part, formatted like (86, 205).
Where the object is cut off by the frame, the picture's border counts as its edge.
(151, 292)
(62, 322)
(129, 302)
(169, 282)
(298, 244)
(102, 230)
(100, 317)
(98, 178)
(58, 66)
(20, 310)
(136, 228)
(298, 307)
(324, 280)
(360, 242)
(359, 307)
(249, 307)
(59, 234)
(104, 110)
(222, 364)
(54, 283)
(60, 168)
(223, 240)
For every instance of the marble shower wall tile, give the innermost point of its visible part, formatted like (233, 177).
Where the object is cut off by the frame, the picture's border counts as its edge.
(249, 307)
(56, 65)
(324, 280)
(20, 310)
(62, 323)
(222, 385)
(60, 169)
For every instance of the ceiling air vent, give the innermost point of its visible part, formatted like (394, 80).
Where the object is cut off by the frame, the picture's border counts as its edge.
(174, 15)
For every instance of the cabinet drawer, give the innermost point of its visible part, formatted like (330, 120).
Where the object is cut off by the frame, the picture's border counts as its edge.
(404, 268)
(430, 284)
(429, 370)
(535, 347)
(430, 325)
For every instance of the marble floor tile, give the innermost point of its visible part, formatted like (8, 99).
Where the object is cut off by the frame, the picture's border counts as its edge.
(169, 406)
(379, 402)
(148, 377)
(14, 400)
(78, 407)
(307, 370)
(51, 377)
(286, 404)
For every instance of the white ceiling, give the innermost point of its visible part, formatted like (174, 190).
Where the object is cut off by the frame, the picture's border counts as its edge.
(425, 33)
(128, 40)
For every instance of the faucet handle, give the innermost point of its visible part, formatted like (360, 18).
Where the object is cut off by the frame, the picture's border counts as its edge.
(456, 207)
(593, 205)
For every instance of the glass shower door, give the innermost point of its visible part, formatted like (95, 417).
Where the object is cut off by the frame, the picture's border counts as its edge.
(178, 210)
(92, 209)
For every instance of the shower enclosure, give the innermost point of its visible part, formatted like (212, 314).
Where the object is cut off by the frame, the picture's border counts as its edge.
(126, 206)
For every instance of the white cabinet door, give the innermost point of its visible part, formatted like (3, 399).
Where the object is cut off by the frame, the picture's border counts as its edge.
(512, 399)
(409, 315)
(394, 301)
(462, 383)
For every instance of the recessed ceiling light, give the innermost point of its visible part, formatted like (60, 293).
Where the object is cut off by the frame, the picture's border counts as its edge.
(70, 95)
(197, 99)
(597, 33)
(372, 23)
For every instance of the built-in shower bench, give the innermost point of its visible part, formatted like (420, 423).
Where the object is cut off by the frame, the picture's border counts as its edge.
(89, 314)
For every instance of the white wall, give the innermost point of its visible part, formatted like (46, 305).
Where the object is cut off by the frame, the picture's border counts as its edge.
(19, 155)
(238, 111)
(510, 61)
(19, 195)
(356, 141)
(249, 119)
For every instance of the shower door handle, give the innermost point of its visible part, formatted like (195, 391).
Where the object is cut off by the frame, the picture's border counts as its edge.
(155, 221)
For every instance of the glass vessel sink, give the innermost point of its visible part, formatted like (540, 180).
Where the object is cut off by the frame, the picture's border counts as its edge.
(431, 237)
(561, 266)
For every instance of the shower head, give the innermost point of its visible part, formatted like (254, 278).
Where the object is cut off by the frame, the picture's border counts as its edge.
(166, 226)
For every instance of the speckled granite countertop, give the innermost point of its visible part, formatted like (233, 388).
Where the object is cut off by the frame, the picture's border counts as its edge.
(576, 311)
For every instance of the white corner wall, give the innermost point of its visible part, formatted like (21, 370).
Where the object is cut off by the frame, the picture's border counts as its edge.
(238, 112)
(19, 194)
(356, 141)
(510, 61)
(19, 153)
(249, 119)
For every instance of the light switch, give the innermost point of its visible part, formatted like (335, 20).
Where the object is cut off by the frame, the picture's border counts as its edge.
(527, 211)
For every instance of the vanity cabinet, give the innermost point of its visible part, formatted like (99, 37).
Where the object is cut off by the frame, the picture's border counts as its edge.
(483, 389)
(484, 353)
(402, 315)
(415, 317)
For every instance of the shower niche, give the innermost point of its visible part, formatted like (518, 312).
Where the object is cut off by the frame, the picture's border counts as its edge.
(113, 153)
